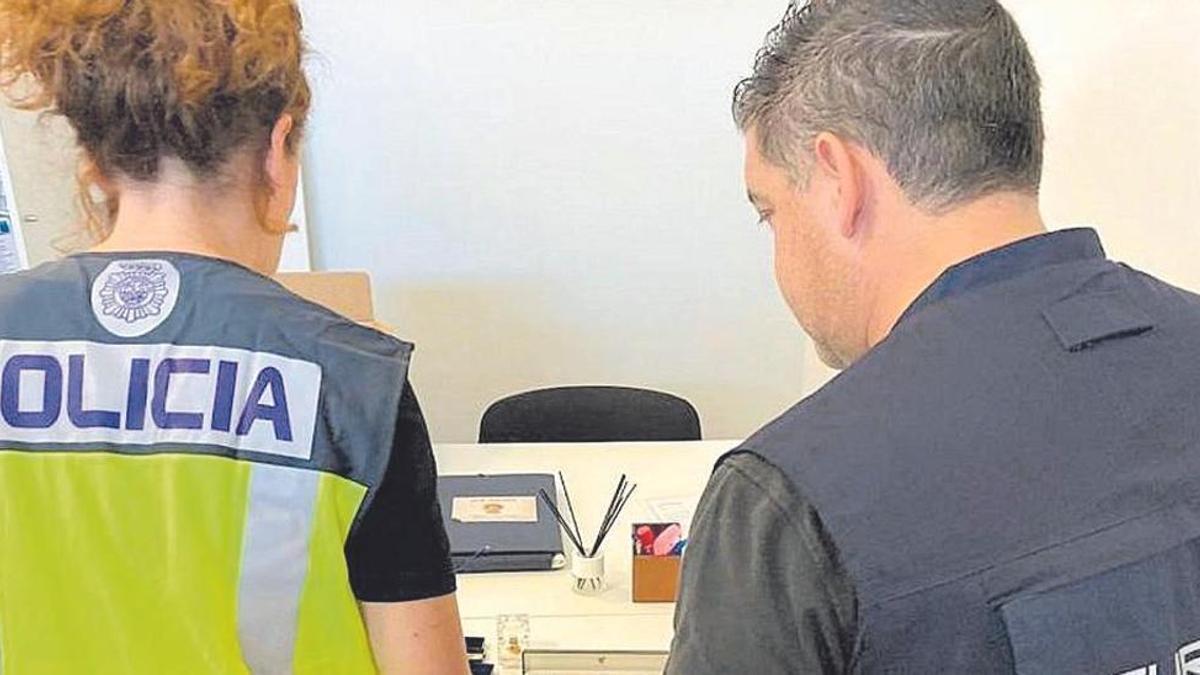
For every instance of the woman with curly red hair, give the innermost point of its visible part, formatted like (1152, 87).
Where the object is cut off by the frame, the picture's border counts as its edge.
(199, 471)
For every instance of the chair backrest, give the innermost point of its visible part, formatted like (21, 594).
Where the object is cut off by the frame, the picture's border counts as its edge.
(590, 414)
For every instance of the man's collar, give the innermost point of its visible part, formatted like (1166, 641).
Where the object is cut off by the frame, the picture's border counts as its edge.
(1008, 262)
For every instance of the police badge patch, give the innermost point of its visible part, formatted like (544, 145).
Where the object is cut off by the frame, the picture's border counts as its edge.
(131, 298)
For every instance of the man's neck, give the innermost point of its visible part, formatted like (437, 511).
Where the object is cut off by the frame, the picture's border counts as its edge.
(934, 243)
(183, 221)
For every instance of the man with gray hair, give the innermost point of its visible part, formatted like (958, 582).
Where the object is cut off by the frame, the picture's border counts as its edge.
(1005, 476)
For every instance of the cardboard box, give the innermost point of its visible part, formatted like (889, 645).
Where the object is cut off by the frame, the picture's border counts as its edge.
(347, 293)
(656, 579)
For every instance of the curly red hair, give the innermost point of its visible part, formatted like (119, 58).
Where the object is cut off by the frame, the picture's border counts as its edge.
(140, 80)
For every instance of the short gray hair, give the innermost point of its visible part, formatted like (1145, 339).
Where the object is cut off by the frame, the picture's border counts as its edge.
(945, 92)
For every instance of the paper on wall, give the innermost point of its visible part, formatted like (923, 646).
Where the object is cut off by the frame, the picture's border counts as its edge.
(674, 510)
(10, 260)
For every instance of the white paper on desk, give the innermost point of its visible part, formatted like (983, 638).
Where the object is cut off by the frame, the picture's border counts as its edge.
(495, 510)
(674, 510)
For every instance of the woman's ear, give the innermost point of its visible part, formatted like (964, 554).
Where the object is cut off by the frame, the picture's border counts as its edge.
(282, 169)
(280, 156)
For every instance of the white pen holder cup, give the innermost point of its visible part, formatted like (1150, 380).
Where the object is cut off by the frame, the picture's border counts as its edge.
(588, 574)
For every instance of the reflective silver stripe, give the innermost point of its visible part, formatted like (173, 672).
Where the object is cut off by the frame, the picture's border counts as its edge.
(274, 565)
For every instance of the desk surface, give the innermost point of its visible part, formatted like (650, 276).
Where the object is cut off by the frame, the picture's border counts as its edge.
(559, 618)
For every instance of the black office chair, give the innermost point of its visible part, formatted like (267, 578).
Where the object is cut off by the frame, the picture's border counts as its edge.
(589, 414)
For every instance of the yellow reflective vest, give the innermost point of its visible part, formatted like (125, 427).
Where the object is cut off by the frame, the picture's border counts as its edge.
(185, 448)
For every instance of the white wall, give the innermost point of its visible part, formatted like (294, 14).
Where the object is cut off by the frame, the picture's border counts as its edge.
(1122, 101)
(41, 158)
(549, 191)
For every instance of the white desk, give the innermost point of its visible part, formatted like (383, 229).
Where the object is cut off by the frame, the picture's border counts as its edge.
(559, 618)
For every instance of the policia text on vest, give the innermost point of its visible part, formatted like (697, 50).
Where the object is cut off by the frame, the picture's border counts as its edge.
(253, 402)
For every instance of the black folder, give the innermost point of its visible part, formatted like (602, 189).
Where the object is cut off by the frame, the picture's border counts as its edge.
(502, 547)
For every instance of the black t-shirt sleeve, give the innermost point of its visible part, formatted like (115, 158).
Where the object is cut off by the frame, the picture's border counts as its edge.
(399, 552)
(763, 590)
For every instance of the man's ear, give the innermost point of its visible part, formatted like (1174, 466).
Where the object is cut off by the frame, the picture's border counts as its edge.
(839, 167)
